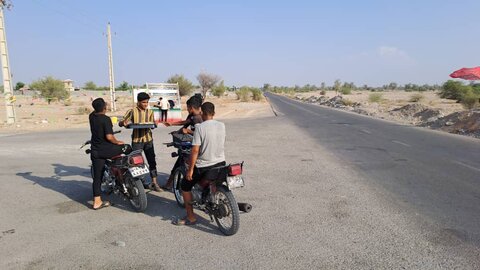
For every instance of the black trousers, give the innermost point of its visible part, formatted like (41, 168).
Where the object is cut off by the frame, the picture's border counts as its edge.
(149, 151)
(98, 158)
(164, 114)
(208, 173)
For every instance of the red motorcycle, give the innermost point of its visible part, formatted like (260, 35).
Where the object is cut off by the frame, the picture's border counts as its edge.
(213, 197)
(125, 174)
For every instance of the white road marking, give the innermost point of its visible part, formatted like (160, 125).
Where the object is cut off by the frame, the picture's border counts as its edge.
(365, 131)
(299, 107)
(402, 143)
(466, 165)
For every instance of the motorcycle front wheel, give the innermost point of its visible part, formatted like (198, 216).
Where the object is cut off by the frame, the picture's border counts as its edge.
(178, 176)
(138, 197)
(227, 215)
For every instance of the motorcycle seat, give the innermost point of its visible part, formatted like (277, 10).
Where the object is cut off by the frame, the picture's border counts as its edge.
(116, 157)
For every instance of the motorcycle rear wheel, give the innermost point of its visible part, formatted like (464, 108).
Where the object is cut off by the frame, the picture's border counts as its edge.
(138, 197)
(229, 222)
(178, 176)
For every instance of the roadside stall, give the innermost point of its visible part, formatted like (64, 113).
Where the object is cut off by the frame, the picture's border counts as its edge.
(168, 91)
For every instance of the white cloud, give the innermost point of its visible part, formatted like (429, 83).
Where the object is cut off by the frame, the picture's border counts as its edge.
(394, 54)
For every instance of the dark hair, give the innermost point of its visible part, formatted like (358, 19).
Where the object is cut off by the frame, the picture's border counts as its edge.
(194, 102)
(99, 105)
(208, 108)
(142, 96)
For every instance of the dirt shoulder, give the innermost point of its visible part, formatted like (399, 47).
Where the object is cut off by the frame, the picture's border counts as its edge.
(424, 109)
(35, 114)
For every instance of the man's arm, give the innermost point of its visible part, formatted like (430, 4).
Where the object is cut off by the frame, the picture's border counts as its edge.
(126, 119)
(108, 127)
(197, 141)
(177, 123)
(193, 159)
(113, 140)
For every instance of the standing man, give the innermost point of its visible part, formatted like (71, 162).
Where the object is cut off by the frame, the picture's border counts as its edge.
(104, 146)
(207, 153)
(163, 105)
(142, 138)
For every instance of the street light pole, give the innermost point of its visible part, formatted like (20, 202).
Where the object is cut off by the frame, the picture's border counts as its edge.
(7, 79)
(110, 69)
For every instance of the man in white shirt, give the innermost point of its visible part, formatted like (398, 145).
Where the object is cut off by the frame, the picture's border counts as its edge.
(207, 153)
(163, 105)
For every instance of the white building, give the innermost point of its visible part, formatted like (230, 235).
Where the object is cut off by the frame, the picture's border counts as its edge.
(68, 84)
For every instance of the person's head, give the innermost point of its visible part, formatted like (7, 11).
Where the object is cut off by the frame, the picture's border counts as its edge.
(208, 111)
(99, 105)
(160, 98)
(193, 105)
(142, 100)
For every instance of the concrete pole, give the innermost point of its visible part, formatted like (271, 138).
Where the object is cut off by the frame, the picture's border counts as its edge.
(110, 69)
(7, 79)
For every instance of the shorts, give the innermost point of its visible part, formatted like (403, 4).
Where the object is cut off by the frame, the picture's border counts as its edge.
(207, 173)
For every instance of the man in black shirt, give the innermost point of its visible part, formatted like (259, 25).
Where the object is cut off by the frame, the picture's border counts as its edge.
(103, 146)
(186, 132)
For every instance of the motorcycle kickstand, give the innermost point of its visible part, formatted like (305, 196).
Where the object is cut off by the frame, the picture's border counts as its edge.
(211, 217)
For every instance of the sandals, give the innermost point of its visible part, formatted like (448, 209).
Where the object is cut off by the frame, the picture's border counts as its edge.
(184, 222)
(155, 187)
(103, 205)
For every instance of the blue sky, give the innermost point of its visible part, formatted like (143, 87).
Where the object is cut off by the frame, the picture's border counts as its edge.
(245, 42)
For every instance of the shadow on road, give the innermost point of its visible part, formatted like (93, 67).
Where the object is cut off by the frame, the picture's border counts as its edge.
(76, 190)
(166, 209)
(80, 191)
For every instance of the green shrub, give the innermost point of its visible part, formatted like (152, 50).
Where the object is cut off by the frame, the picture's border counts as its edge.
(454, 90)
(323, 92)
(346, 90)
(83, 110)
(219, 90)
(375, 97)
(470, 100)
(185, 86)
(50, 89)
(243, 94)
(416, 97)
(256, 94)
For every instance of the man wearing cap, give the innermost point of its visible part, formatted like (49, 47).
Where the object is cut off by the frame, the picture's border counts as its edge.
(142, 138)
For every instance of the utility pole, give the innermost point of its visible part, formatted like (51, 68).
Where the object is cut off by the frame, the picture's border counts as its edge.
(7, 79)
(110, 69)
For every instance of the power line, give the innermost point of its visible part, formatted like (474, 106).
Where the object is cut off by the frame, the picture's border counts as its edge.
(71, 16)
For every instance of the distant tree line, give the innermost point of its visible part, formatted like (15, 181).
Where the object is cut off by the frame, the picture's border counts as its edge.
(348, 87)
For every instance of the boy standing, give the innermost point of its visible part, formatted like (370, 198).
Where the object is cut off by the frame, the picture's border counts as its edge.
(142, 138)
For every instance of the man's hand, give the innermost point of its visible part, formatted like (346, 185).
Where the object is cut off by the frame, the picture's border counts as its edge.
(120, 143)
(189, 175)
(125, 122)
(185, 130)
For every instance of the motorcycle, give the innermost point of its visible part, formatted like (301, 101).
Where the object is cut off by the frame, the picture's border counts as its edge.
(215, 197)
(125, 174)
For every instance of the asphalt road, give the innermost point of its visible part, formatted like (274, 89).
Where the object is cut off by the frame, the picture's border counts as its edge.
(330, 190)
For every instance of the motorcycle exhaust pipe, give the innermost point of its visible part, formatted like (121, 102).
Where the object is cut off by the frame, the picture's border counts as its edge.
(245, 207)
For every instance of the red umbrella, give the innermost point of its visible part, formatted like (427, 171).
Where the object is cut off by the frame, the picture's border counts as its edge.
(471, 74)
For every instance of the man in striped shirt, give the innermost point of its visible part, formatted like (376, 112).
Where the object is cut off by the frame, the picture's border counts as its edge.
(142, 138)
